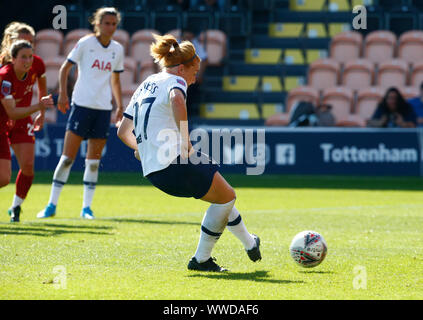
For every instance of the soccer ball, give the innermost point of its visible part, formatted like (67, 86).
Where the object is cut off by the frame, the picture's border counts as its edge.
(308, 249)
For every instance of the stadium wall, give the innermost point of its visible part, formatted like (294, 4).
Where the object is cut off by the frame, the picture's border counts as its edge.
(347, 151)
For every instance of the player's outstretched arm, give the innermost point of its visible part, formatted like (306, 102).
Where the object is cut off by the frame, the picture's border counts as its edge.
(63, 101)
(14, 113)
(125, 133)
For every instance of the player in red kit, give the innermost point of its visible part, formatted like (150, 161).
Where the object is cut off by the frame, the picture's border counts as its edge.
(16, 81)
(21, 133)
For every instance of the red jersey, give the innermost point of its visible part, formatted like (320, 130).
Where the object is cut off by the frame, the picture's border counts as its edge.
(21, 90)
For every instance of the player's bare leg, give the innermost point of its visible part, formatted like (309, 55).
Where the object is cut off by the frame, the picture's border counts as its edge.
(25, 153)
(92, 164)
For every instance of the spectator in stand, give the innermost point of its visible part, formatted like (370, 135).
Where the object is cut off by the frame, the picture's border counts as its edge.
(393, 112)
(195, 90)
(417, 104)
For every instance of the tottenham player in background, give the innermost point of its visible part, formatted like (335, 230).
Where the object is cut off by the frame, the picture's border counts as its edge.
(159, 106)
(21, 132)
(16, 80)
(100, 61)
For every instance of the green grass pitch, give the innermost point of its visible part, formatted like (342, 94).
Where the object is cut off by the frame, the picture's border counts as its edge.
(142, 239)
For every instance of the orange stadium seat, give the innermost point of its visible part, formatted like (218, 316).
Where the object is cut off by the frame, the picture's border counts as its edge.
(122, 36)
(341, 98)
(127, 93)
(410, 46)
(346, 46)
(72, 38)
(215, 43)
(367, 101)
(52, 71)
(358, 74)
(140, 44)
(48, 43)
(392, 73)
(127, 77)
(410, 92)
(379, 46)
(298, 94)
(148, 67)
(323, 73)
(417, 74)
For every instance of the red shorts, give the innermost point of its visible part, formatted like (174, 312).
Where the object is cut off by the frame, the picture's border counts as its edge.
(4, 147)
(22, 132)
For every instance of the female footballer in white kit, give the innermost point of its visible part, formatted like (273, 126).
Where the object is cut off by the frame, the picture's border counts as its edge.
(100, 61)
(158, 106)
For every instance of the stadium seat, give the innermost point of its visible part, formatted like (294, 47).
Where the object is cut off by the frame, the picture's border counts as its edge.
(240, 83)
(286, 30)
(72, 38)
(362, 3)
(271, 84)
(127, 92)
(346, 46)
(52, 71)
(303, 93)
(392, 73)
(323, 73)
(241, 111)
(367, 101)
(127, 77)
(337, 28)
(358, 74)
(263, 56)
(292, 82)
(48, 43)
(315, 54)
(379, 46)
(140, 44)
(341, 98)
(416, 78)
(269, 109)
(338, 5)
(122, 36)
(410, 92)
(215, 43)
(293, 56)
(175, 32)
(410, 46)
(147, 68)
(306, 5)
(316, 30)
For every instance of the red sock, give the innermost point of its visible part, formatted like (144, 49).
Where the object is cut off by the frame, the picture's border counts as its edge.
(23, 184)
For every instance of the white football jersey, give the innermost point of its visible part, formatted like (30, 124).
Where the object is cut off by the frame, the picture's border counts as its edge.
(95, 66)
(155, 127)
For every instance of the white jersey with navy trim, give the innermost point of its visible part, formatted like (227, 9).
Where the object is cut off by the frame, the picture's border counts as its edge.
(150, 109)
(95, 66)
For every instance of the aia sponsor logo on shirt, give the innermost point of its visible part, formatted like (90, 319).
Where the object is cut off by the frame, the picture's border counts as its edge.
(102, 65)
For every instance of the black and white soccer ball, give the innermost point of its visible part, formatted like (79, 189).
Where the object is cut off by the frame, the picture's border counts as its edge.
(308, 249)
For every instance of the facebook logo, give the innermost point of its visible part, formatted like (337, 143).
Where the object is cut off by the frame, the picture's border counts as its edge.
(285, 154)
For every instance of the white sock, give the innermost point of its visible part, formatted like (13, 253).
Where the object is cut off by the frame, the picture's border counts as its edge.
(212, 226)
(237, 227)
(90, 181)
(60, 177)
(17, 201)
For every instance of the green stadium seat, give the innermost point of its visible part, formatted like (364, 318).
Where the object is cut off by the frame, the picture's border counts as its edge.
(240, 83)
(286, 30)
(306, 5)
(362, 3)
(338, 5)
(269, 84)
(263, 56)
(241, 111)
(315, 54)
(293, 56)
(336, 28)
(316, 30)
(269, 109)
(292, 82)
